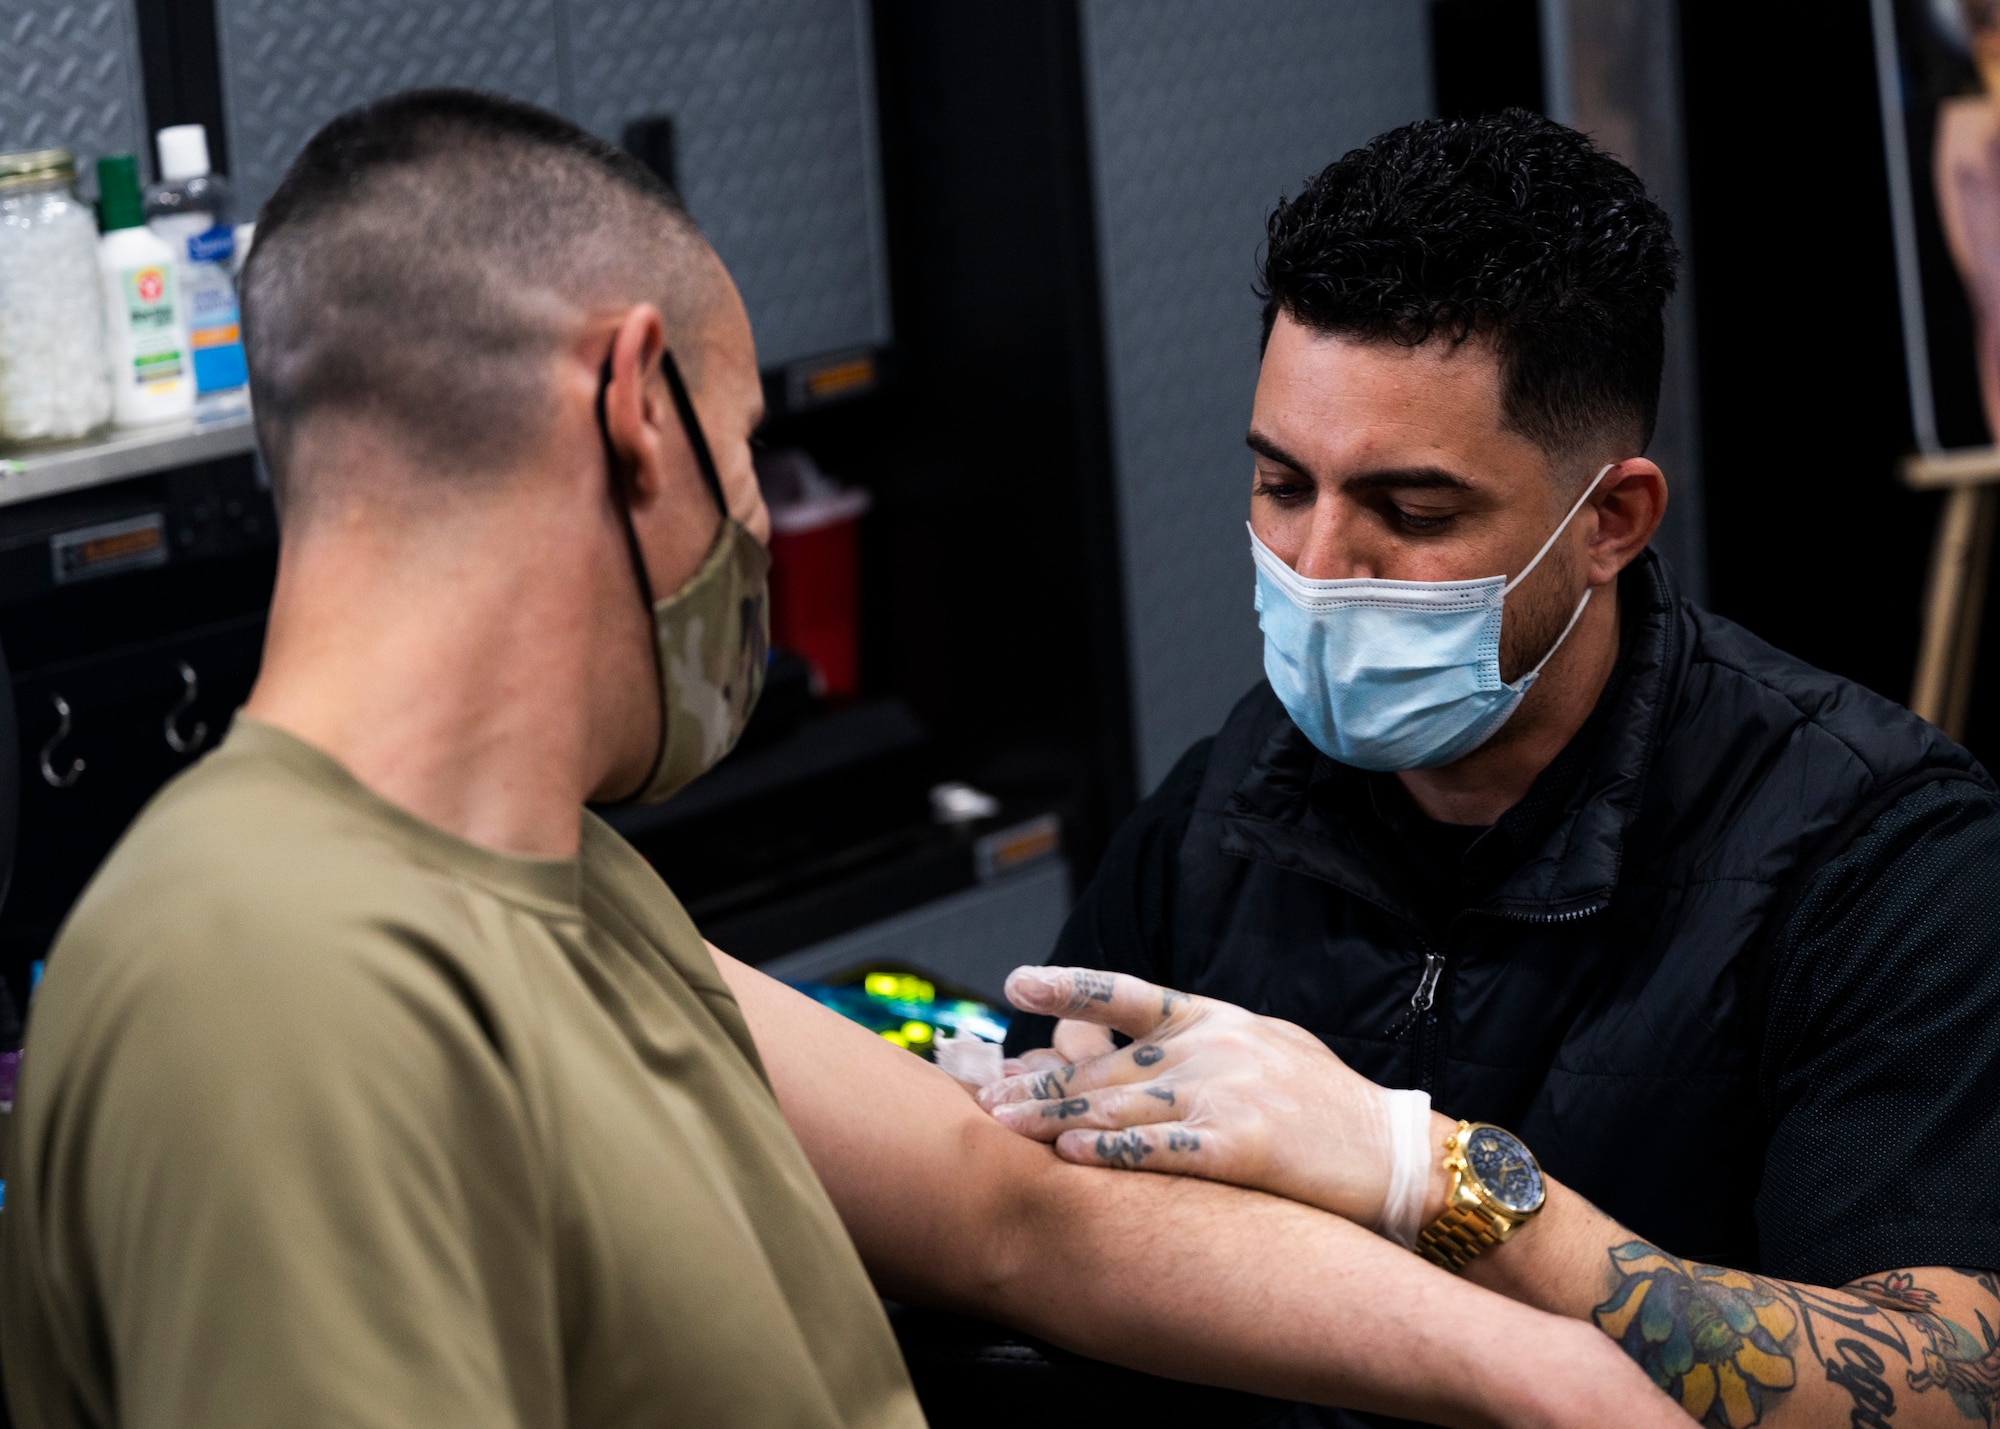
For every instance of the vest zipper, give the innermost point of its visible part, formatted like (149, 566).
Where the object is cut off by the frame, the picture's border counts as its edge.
(1420, 1017)
(1428, 1017)
(1427, 986)
(1424, 1003)
(1509, 915)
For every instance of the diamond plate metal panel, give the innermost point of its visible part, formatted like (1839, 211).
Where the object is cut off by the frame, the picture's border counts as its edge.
(72, 78)
(1203, 113)
(287, 68)
(773, 103)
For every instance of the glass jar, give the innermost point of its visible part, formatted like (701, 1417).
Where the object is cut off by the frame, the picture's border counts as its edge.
(55, 380)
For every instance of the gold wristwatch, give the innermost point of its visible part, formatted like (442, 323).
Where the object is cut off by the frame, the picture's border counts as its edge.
(1496, 1188)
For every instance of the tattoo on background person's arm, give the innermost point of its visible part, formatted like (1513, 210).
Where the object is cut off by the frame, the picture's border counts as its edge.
(1961, 1360)
(1731, 1346)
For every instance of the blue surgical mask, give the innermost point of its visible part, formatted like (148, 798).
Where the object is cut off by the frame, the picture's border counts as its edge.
(1389, 675)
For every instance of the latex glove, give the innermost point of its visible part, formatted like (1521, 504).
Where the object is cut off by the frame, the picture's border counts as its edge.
(1208, 1089)
(1074, 1042)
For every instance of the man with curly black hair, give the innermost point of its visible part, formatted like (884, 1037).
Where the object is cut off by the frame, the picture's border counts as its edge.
(1695, 949)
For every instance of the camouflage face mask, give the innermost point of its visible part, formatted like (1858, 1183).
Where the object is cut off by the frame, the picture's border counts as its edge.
(711, 637)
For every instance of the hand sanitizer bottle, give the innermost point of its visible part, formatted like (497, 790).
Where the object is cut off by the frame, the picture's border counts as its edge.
(150, 380)
(189, 208)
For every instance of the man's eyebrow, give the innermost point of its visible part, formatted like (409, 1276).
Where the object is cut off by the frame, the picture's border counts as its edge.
(1408, 478)
(1265, 447)
(1401, 478)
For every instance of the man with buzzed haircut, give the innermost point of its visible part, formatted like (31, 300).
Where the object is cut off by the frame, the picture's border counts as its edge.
(375, 1082)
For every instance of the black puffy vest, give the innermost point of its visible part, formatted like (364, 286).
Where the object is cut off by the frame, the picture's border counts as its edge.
(1606, 998)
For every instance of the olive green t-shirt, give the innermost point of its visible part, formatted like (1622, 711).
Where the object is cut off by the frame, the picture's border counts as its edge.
(330, 1118)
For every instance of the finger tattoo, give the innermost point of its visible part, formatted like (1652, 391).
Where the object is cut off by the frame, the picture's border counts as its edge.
(1052, 1085)
(1147, 1055)
(1127, 1149)
(1178, 1140)
(1067, 1108)
(1163, 1094)
(1169, 1000)
(1087, 987)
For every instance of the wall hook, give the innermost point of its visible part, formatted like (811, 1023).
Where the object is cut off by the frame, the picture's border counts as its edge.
(63, 727)
(194, 739)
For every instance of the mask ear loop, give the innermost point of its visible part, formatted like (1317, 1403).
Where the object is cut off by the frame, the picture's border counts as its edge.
(1575, 615)
(691, 424)
(1508, 589)
(618, 496)
(639, 571)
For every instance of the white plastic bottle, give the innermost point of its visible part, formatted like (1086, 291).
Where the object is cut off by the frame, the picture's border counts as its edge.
(189, 208)
(151, 376)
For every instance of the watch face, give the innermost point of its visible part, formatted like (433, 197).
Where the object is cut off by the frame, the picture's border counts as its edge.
(1504, 1168)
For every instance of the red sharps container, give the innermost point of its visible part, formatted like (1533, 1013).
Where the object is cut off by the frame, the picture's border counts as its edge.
(815, 569)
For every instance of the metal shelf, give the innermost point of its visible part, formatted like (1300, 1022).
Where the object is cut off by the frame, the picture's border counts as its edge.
(45, 471)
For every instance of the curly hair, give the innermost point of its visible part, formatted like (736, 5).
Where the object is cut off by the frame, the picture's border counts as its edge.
(1509, 227)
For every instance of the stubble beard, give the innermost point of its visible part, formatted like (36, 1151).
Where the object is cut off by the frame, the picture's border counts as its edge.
(1537, 614)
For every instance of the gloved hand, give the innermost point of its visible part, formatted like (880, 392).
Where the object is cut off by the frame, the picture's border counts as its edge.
(1208, 1089)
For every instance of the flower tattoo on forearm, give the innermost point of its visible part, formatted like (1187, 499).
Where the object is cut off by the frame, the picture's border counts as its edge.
(1714, 1339)
(1726, 1344)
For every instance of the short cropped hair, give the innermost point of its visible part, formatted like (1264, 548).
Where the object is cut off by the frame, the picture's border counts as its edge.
(1508, 227)
(416, 265)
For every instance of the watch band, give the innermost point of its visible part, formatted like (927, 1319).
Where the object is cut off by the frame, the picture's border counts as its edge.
(1458, 1236)
(1471, 1222)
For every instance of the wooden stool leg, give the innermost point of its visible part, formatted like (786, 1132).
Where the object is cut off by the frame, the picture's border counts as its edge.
(1972, 609)
(1944, 604)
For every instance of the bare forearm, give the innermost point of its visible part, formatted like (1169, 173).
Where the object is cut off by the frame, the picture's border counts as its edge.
(1739, 1349)
(1209, 1089)
(1190, 1279)
(1196, 1280)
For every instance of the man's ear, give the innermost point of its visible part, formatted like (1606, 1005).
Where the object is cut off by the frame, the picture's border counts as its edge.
(1630, 503)
(637, 409)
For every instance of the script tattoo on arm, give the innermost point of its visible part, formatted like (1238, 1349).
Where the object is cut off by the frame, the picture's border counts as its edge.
(1727, 1344)
(1961, 1361)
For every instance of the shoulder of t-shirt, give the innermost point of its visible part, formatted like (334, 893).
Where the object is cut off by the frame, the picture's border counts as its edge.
(1942, 830)
(1922, 870)
(250, 835)
(246, 888)
(632, 889)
